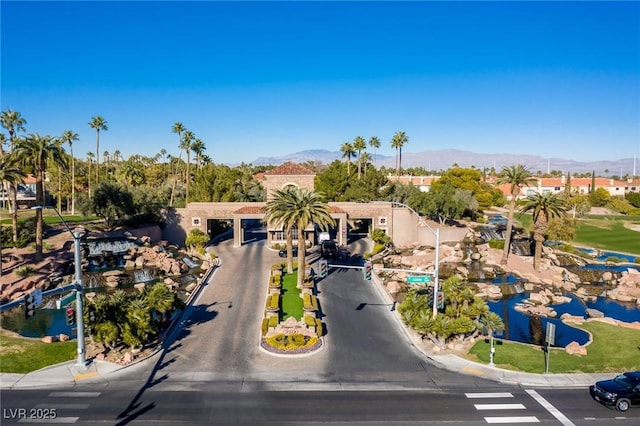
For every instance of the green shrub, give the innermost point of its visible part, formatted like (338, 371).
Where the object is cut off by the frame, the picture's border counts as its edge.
(292, 342)
(273, 321)
(273, 302)
(25, 271)
(310, 320)
(496, 244)
(636, 260)
(309, 302)
(614, 259)
(377, 248)
(265, 326)
(275, 281)
(319, 327)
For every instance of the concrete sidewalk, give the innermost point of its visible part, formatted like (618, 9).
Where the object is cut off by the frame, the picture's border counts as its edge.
(97, 372)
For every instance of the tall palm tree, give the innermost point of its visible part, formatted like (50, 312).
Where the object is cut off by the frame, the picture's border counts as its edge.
(98, 123)
(516, 177)
(68, 136)
(309, 208)
(37, 151)
(348, 153)
(279, 211)
(359, 145)
(13, 122)
(3, 140)
(187, 141)
(544, 207)
(399, 140)
(90, 157)
(179, 129)
(374, 143)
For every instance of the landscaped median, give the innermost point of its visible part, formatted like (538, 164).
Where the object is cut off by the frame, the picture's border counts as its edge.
(291, 324)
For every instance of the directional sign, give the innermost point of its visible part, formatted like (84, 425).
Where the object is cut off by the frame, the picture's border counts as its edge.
(419, 279)
(64, 301)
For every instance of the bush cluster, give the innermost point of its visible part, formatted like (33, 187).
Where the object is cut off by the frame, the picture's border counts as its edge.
(291, 342)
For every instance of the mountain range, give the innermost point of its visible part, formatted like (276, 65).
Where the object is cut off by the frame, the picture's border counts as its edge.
(445, 158)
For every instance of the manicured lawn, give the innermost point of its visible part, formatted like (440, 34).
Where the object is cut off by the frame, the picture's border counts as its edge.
(609, 234)
(22, 355)
(602, 232)
(614, 349)
(290, 297)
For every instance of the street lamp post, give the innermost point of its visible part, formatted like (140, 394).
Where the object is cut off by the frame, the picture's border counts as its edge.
(79, 288)
(435, 232)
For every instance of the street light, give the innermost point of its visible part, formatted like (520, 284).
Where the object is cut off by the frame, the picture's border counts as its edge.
(79, 288)
(435, 232)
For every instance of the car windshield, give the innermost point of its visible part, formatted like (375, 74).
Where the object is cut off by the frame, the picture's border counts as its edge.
(624, 381)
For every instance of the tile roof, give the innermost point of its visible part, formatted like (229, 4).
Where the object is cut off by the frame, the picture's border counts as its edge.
(289, 169)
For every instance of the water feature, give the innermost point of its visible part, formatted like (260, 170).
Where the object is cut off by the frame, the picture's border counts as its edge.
(99, 247)
(602, 256)
(144, 275)
(524, 328)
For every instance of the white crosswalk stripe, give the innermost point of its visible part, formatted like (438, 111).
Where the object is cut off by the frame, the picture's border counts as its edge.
(501, 419)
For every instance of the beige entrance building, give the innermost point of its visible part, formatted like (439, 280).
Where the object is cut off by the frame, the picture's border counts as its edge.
(403, 225)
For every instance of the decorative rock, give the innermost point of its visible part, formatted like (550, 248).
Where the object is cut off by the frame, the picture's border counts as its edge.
(49, 339)
(574, 348)
(594, 313)
(191, 287)
(63, 338)
(127, 358)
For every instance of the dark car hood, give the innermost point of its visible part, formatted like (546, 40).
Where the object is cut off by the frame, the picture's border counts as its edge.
(611, 386)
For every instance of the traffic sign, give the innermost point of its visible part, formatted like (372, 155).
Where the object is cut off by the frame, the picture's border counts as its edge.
(419, 279)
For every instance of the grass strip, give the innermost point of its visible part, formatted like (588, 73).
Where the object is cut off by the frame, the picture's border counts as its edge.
(23, 355)
(613, 349)
(290, 297)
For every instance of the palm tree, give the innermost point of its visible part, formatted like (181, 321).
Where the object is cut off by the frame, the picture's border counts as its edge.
(38, 151)
(365, 159)
(397, 142)
(10, 173)
(13, 122)
(309, 208)
(544, 207)
(516, 177)
(187, 140)
(359, 144)
(374, 143)
(98, 123)
(279, 212)
(348, 153)
(198, 147)
(176, 128)
(69, 137)
(90, 157)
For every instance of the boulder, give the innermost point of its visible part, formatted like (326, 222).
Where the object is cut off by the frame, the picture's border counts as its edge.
(63, 338)
(574, 348)
(594, 313)
(49, 339)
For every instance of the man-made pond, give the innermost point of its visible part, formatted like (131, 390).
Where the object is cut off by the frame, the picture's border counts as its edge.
(528, 329)
(602, 256)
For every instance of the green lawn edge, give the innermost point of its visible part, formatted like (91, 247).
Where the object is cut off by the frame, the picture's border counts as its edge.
(23, 355)
(613, 349)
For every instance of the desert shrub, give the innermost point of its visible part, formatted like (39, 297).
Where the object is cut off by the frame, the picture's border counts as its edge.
(25, 271)
(496, 244)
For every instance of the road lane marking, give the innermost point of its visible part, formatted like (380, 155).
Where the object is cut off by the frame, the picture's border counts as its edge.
(550, 408)
(500, 406)
(511, 420)
(74, 394)
(49, 421)
(489, 395)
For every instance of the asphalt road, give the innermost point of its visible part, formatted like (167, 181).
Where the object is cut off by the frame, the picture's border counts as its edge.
(214, 372)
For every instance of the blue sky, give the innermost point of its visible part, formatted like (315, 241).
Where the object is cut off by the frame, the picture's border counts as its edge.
(266, 78)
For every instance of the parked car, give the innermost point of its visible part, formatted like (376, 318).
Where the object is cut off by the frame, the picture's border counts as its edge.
(329, 249)
(283, 252)
(620, 392)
